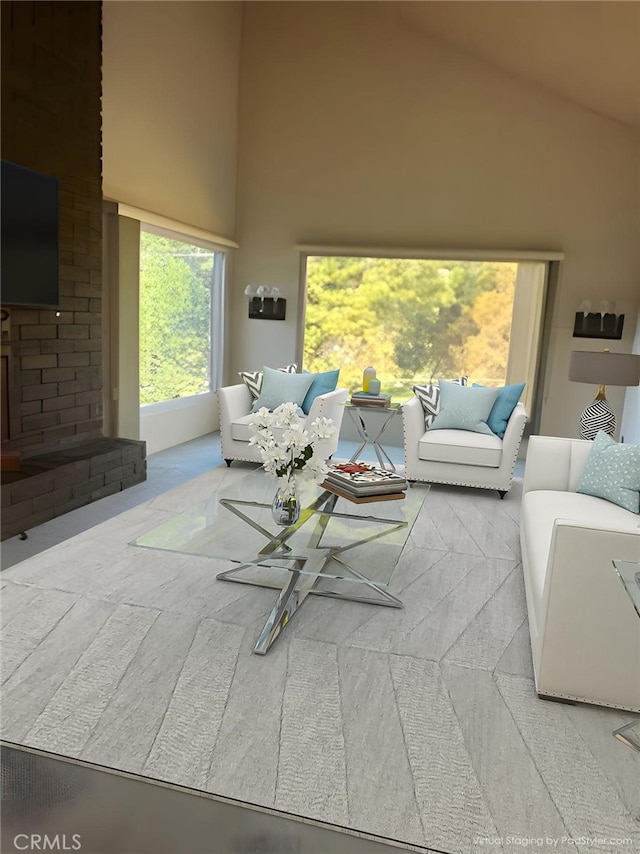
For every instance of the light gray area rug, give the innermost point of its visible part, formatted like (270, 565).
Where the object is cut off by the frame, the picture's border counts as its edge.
(420, 725)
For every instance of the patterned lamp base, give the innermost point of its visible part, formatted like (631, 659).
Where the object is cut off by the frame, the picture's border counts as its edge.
(598, 415)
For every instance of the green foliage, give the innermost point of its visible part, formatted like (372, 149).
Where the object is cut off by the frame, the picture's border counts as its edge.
(485, 351)
(413, 320)
(175, 318)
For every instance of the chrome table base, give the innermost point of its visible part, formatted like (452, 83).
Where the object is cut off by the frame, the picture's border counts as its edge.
(384, 460)
(307, 565)
(622, 735)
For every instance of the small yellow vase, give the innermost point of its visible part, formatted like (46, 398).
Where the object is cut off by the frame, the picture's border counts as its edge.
(367, 376)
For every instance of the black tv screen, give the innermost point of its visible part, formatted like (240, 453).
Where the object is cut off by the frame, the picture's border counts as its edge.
(30, 259)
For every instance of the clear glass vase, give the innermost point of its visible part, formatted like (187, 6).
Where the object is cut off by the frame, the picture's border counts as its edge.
(286, 506)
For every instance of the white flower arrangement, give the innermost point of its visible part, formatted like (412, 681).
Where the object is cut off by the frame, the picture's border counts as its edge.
(287, 444)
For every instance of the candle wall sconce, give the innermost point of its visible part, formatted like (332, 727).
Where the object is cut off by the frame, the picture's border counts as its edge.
(598, 324)
(265, 303)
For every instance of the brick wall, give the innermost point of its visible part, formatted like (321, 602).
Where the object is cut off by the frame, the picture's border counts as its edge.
(50, 485)
(51, 122)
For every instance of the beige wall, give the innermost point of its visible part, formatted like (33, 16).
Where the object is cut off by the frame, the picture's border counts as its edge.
(170, 104)
(170, 85)
(356, 130)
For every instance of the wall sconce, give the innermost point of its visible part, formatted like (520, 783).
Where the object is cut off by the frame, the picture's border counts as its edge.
(265, 303)
(593, 324)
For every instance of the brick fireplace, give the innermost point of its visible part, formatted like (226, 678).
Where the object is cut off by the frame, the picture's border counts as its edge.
(52, 360)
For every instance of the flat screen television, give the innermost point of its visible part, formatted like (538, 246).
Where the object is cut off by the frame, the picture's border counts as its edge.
(30, 253)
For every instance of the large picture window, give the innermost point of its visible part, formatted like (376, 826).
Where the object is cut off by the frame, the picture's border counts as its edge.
(417, 320)
(179, 289)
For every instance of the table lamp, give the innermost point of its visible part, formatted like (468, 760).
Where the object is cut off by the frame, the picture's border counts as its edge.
(602, 369)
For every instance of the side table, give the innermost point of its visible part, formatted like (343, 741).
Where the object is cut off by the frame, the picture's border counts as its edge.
(629, 574)
(368, 437)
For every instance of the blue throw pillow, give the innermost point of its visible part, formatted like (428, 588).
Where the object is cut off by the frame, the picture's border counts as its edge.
(612, 472)
(464, 408)
(501, 411)
(279, 387)
(322, 383)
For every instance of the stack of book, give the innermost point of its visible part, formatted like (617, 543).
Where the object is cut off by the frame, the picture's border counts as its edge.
(364, 398)
(362, 482)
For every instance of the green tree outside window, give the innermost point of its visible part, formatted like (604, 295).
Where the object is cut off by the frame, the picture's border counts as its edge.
(415, 320)
(175, 318)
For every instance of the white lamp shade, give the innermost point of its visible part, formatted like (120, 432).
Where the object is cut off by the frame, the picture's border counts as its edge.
(603, 368)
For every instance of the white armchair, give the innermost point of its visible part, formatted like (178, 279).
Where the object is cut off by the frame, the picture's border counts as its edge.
(460, 457)
(235, 403)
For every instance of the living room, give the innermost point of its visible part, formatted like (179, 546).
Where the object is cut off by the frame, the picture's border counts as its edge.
(280, 127)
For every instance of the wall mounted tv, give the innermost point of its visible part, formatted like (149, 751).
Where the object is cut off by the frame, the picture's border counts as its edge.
(30, 257)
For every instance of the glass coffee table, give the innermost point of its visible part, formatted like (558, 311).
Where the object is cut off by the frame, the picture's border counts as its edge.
(334, 544)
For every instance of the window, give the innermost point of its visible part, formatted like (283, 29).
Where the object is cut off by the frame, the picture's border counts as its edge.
(417, 320)
(180, 294)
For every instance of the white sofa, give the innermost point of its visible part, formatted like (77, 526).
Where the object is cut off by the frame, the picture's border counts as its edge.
(235, 403)
(585, 633)
(458, 456)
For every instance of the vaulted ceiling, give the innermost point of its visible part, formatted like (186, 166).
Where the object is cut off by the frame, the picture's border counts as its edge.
(588, 52)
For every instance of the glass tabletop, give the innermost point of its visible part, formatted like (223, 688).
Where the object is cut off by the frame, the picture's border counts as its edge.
(372, 407)
(629, 574)
(356, 542)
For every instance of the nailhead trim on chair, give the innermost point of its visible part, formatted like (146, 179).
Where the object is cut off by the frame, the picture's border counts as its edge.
(577, 699)
(224, 456)
(495, 487)
(589, 702)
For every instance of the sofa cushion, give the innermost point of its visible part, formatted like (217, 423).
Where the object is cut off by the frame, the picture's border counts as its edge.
(541, 507)
(462, 447)
(253, 379)
(612, 472)
(280, 387)
(322, 384)
(429, 397)
(463, 408)
(502, 409)
(240, 430)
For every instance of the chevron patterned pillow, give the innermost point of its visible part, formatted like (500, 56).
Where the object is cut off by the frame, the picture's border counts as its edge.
(253, 379)
(429, 397)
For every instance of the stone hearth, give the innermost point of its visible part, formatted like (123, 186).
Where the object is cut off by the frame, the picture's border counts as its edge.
(54, 483)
